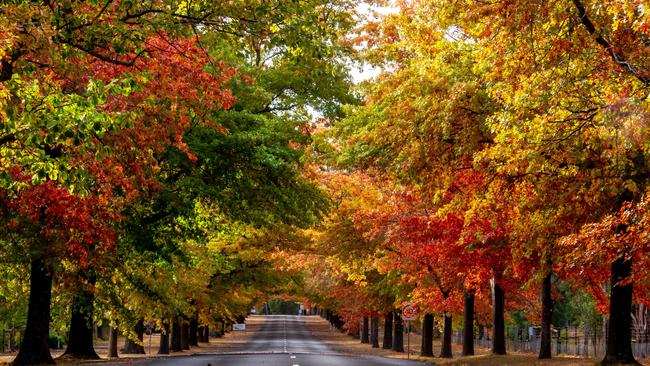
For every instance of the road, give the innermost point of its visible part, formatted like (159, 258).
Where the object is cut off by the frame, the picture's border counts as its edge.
(283, 340)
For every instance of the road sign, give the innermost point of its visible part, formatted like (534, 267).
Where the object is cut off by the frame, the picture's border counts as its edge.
(239, 326)
(409, 312)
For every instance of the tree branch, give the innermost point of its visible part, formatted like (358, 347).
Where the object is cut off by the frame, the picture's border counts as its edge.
(91, 51)
(7, 64)
(7, 139)
(618, 58)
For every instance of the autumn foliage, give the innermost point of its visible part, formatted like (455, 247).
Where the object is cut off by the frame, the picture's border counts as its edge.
(185, 161)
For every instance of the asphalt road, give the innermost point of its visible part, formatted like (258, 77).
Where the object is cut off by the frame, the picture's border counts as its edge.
(283, 340)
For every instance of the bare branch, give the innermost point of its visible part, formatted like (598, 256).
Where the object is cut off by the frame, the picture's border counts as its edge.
(618, 57)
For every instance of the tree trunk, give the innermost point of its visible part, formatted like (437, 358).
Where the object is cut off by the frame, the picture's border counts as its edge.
(194, 332)
(398, 338)
(365, 336)
(468, 326)
(223, 328)
(217, 328)
(547, 317)
(388, 331)
(35, 348)
(203, 334)
(339, 322)
(185, 334)
(445, 349)
(498, 324)
(163, 349)
(355, 334)
(176, 335)
(619, 333)
(427, 336)
(374, 332)
(80, 340)
(201, 330)
(133, 347)
(112, 343)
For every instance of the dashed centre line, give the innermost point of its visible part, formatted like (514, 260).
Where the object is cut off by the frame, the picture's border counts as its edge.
(284, 322)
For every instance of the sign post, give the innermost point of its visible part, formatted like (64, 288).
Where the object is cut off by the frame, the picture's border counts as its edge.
(408, 339)
(149, 330)
(409, 313)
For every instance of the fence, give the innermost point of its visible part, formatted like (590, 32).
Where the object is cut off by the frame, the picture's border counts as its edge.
(568, 341)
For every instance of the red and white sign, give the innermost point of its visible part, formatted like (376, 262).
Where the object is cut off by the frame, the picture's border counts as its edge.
(409, 312)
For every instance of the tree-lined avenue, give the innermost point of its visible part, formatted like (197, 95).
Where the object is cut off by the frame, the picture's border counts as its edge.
(168, 165)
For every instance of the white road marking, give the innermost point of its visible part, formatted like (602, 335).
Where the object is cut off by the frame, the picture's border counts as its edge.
(285, 334)
(293, 356)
